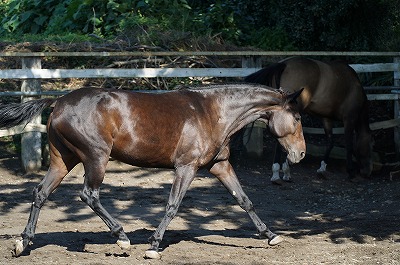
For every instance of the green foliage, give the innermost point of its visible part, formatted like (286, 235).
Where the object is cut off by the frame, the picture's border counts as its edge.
(220, 18)
(269, 25)
(149, 23)
(102, 17)
(27, 16)
(271, 40)
(335, 24)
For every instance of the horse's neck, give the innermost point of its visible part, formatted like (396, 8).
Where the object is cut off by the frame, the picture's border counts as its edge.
(239, 109)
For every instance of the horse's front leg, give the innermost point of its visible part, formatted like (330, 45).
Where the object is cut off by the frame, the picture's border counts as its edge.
(328, 125)
(276, 166)
(348, 136)
(224, 172)
(183, 179)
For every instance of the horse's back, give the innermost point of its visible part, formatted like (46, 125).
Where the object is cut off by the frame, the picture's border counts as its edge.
(300, 72)
(318, 76)
(137, 128)
(332, 89)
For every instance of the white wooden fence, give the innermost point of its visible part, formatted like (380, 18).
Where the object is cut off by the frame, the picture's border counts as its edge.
(31, 74)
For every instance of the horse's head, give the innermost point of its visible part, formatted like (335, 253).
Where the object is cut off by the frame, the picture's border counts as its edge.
(285, 124)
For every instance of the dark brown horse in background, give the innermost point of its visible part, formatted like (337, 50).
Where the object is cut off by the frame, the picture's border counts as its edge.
(183, 130)
(332, 91)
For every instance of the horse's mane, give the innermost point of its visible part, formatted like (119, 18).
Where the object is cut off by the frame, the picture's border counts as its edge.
(221, 86)
(266, 75)
(238, 88)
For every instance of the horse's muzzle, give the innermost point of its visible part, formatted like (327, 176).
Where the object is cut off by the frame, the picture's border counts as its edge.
(296, 156)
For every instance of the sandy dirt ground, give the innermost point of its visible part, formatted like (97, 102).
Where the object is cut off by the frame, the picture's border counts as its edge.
(323, 220)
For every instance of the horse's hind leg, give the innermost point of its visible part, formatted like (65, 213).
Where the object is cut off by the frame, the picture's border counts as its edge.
(224, 172)
(57, 171)
(94, 175)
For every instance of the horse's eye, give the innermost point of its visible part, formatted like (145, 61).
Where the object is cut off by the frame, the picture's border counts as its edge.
(297, 118)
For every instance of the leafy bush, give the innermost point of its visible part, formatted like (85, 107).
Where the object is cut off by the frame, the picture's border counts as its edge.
(275, 24)
(271, 40)
(336, 24)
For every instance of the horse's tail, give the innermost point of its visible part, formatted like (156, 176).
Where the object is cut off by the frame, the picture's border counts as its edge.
(14, 114)
(267, 75)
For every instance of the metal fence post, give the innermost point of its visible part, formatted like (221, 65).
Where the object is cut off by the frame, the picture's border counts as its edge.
(31, 144)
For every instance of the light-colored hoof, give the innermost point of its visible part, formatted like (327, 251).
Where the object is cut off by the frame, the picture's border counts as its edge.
(152, 254)
(275, 241)
(322, 169)
(125, 245)
(19, 247)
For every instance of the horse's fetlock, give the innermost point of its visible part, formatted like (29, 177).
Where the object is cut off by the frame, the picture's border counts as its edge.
(27, 236)
(116, 230)
(151, 239)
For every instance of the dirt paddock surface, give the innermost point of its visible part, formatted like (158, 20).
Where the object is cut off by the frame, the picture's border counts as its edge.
(323, 220)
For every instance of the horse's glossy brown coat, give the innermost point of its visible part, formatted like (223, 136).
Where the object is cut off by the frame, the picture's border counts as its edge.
(185, 130)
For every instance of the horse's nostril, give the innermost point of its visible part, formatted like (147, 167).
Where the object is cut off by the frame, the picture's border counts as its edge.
(302, 155)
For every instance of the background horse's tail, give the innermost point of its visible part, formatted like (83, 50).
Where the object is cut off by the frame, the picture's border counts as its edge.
(14, 114)
(267, 75)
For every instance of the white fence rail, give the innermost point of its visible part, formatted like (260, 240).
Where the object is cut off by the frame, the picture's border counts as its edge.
(31, 74)
(164, 72)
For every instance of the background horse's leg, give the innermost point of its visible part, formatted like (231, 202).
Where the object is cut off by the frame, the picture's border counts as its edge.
(328, 124)
(363, 149)
(224, 172)
(94, 175)
(57, 171)
(286, 171)
(276, 166)
(183, 179)
(349, 137)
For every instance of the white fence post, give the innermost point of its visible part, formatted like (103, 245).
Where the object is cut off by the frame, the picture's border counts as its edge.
(31, 143)
(253, 139)
(396, 82)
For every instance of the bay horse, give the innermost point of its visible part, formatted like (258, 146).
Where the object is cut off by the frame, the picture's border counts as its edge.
(332, 91)
(183, 130)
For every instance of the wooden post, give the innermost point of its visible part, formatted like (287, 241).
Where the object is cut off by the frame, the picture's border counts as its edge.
(396, 82)
(31, 144)
(253, 139)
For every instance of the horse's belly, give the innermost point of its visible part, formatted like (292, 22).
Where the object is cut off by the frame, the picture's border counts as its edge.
(144, 154)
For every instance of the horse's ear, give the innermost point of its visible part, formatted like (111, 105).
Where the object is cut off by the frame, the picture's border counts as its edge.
(293, 97)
